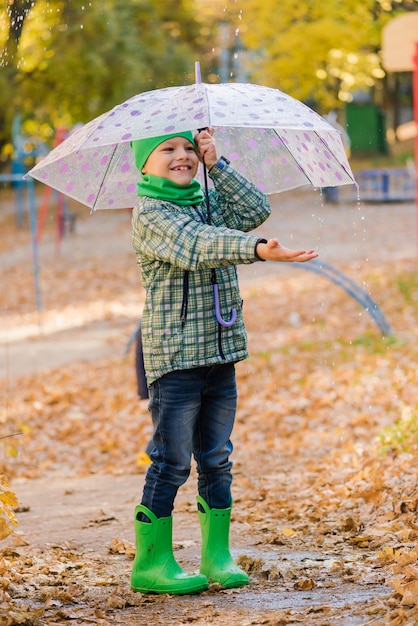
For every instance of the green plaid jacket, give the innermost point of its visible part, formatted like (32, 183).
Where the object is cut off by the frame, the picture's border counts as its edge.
(169, 239)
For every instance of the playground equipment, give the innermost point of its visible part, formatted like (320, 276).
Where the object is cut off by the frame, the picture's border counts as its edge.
(30, 189)
(63, 216)
(22, 150)
(391, 184)
(352, 288)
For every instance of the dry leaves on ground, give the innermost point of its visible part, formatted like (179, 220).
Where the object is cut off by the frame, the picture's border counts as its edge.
(325, 441)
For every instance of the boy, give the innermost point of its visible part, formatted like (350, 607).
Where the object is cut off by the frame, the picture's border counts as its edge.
(188, 252)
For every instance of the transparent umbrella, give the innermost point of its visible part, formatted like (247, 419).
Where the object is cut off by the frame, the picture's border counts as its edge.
(274, 140)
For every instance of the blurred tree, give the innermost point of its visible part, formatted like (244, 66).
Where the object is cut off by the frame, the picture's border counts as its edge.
(13, 14)
(66, 61)
(320, 52)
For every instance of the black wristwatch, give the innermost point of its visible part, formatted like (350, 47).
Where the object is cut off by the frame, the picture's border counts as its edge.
(222, 162)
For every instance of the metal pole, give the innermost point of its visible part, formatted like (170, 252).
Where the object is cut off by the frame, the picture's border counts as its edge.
(35, 248)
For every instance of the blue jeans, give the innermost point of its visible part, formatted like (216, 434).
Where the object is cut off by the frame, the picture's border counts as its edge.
(193, 412)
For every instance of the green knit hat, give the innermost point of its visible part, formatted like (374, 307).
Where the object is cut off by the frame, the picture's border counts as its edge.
(142, 148)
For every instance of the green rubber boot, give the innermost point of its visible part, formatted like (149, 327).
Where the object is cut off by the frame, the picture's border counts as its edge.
(155, 569)
(217, 563)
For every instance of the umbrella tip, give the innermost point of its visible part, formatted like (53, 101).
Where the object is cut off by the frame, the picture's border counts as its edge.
(198, 76)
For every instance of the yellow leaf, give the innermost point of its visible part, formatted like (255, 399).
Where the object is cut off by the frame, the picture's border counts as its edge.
(8, 498)
(304, 585)
(288, 532)
(7, 501)
(6, 526)
(389, 553)
(143, 459)
(121, 547)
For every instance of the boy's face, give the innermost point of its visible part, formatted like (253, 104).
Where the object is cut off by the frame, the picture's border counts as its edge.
(175, 159)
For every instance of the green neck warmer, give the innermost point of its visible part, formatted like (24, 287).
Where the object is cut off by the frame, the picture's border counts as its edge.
(164, 189)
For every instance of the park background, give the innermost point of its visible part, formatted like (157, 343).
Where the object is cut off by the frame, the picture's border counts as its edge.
(326, 437)
(65, 62)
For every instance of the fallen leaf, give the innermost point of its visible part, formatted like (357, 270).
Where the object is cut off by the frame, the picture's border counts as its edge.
(288, 532)
(121, 547)
(304, 585)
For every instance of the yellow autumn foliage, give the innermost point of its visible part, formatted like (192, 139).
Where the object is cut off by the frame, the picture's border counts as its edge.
(316, 50)
(8, 500)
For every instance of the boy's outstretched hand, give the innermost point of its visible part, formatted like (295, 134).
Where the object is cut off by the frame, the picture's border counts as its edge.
(273, 251)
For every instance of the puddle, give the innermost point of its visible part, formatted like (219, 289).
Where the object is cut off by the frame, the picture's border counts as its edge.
(340, 606)
(348, 595)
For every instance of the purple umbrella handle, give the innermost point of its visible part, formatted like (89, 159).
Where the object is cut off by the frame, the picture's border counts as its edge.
(198, 75)
(218, 315)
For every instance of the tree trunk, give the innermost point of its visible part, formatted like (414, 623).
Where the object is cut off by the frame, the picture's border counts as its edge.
(17, 12)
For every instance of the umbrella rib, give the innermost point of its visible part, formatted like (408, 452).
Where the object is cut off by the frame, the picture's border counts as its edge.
(324, 143)
(322, 140)
(93, 208)
(294, 158)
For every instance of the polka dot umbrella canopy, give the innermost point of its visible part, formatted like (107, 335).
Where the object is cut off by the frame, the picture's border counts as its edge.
(274, 140)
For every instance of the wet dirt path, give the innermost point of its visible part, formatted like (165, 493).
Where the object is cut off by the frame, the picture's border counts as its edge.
(90, 518)
(76, 533)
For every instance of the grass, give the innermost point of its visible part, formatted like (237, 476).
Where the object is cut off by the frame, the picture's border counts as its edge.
(376, 344)
(408, 286)
(398, 156)
(402, 436)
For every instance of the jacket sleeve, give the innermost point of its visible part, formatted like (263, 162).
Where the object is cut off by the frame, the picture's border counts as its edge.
(165, 233)
(237, 201)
